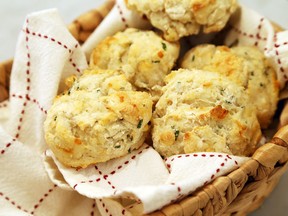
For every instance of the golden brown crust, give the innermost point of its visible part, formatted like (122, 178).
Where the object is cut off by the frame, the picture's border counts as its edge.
(263, 86)
(143, 56)
(99, 118)
(246, 66)
(218, 112)
(192, 116)
(218, 59)
(178, 18)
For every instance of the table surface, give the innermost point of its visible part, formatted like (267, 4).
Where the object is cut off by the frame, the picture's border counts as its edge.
(12, 15)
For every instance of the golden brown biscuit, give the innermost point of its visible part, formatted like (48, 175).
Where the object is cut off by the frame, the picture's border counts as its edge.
(99, 118)
(263, 86)
(178, 18)
(204, 111)
(143, 56)
(245, 65)
(219, 59)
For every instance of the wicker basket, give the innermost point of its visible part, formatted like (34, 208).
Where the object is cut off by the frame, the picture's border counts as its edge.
(240, 192)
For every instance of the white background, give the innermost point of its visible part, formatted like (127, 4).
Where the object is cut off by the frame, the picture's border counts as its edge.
(12, 15)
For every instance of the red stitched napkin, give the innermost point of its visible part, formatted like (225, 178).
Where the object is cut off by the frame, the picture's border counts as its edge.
(46, 54)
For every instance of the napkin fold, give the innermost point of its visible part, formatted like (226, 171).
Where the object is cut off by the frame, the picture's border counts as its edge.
(143, 176)
(32, 179)
(46, 53)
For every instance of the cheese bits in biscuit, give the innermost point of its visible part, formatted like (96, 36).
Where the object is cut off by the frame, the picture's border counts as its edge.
(143, 56)
(178, 18)
(203, 111)
(99, 118)
(244, 65)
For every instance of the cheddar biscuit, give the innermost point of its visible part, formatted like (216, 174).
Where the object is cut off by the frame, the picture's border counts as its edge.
(204, 111)
(178, 18)
(244, 65)
(99, 118)
(143, 56)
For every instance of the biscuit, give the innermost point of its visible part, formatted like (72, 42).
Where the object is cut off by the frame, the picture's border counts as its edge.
(99, 118)
(246, 66)
(143, 56)
(178, 18)
(202, 111)
(263, 86)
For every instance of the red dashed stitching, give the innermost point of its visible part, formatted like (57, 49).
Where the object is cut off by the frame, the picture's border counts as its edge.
(36, 206)
(72, 62)
(279, 45)
(13, 202)
(18, 129)
(256, 36)
(278, 55)
(204, 155)
(194, 155)
(28, 64)
(221, 165)
(105, 176)
(235, 161)
(7, 146)
(122, 16)
(93, 208)
(30, 99)
(243, 33)
(179, 196)
(74, 65)
(27, 99)
(58, 43)
(49, 38)
(104, 207)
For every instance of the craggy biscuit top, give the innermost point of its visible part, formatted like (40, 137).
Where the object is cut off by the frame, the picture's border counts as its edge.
(178, 18)
(263, 86)
(246, 66)
(99, 118)
(204, 111)
(143, 56)
(219, 59)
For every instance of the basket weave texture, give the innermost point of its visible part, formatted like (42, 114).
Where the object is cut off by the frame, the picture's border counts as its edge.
(238, 193)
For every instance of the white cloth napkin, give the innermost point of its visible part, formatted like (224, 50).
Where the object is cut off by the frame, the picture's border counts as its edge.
(34, 182)
(46, 53)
